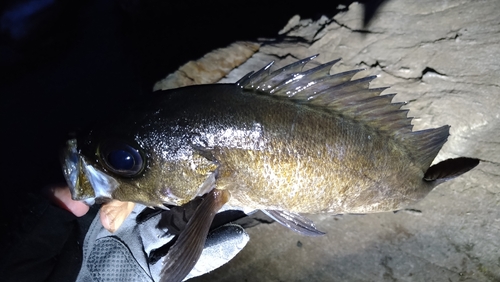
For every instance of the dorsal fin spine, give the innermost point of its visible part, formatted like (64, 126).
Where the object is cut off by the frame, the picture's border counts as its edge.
(278, 76)
(309, 75)
(249, 81)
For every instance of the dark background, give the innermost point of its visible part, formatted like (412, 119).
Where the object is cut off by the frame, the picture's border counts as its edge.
(67, 64)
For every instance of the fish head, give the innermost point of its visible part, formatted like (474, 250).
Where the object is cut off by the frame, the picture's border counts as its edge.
(141, 161)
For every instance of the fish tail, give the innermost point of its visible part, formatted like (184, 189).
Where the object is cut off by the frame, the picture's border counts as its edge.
(424, 145)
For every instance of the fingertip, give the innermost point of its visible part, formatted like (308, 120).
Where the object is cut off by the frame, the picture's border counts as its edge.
(78, 208)
(62, 197)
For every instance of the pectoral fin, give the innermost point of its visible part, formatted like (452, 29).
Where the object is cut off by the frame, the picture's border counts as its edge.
(296, 222)
(186, 251)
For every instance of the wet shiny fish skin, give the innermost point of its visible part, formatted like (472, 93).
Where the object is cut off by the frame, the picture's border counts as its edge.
(331, 147)
(285, 142)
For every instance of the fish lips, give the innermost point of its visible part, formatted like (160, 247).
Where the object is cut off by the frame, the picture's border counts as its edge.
(85, 182)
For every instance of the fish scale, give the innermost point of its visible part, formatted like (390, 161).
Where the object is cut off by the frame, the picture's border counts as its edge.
(285, 142)
(300, 154)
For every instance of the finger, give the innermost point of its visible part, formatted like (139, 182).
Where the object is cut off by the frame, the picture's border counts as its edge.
(61, 196)
(114, 213)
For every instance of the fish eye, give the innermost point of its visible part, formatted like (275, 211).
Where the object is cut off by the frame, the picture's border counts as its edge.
(121, 158)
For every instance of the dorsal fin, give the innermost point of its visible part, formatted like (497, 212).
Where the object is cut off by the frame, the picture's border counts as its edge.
(339, 94)
(336, 93)
(264, 81)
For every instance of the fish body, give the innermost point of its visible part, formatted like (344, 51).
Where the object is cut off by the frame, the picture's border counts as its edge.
(273, 153)
(335, 146)
(286, 142)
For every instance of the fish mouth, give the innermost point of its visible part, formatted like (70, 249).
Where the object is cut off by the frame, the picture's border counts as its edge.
(86, 183)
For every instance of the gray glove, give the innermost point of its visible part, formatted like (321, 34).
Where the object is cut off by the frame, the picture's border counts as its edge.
(123, 255)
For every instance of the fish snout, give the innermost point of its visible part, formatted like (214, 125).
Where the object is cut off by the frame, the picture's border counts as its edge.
(85, 182)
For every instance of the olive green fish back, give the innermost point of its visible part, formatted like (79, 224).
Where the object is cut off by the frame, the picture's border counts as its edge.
(350, 98)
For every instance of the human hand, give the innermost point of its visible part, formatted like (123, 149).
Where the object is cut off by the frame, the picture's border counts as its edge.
(111, 214)
(134, 249)
(122, 244)
(128, 253)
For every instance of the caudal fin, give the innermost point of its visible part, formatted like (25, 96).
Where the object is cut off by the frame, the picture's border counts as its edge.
(424, 145)
(449, 169)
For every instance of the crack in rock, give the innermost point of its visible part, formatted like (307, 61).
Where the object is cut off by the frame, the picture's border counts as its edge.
(364, 31)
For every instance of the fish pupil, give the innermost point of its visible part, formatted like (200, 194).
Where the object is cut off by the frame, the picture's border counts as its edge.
(121, 160)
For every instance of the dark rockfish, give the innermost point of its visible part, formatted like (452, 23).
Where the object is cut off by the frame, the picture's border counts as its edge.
(286, 142)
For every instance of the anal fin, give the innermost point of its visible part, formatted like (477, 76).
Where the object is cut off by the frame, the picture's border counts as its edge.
(186, 251)
(295, 222)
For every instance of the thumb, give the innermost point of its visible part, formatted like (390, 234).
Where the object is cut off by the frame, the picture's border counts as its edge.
(112, 214)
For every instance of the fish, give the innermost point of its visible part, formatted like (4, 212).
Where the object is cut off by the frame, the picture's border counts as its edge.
(290, 141)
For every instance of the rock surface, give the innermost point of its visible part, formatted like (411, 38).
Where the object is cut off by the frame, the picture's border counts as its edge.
(441, 57)
(211, 68)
